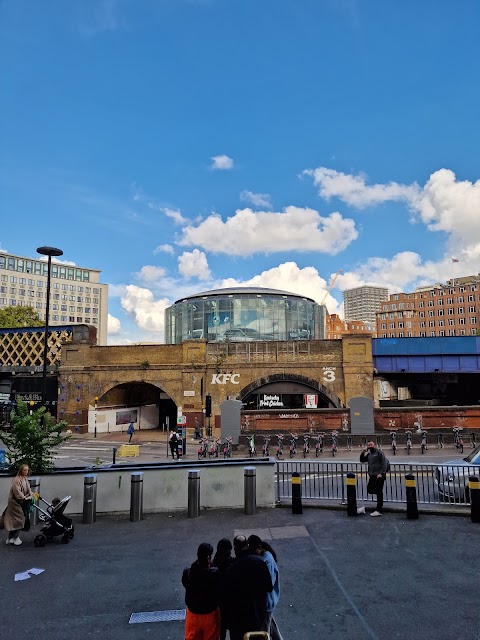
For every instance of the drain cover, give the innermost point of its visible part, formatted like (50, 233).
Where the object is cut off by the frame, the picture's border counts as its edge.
(157, 616)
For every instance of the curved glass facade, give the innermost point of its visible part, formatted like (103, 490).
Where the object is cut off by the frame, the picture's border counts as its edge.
(244, 315)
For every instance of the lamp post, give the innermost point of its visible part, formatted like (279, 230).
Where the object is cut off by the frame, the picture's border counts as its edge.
(47, 251)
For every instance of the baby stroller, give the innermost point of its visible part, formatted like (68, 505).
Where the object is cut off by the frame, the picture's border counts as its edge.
(56, 523)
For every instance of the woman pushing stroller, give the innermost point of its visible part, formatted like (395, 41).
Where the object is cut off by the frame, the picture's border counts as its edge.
(15, 515)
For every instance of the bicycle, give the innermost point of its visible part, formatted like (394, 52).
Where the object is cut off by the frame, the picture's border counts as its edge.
(211, 449)
(393, 437)
(424, 442)
(457, 438)
(227, 447)
(334, 443)
(202, 448)
(408, 447)
(306, 443)
(217, 447)
(319, 445)
(251, 446)
(279, 451)
(440, 444)
(266, 446)
(293, 445)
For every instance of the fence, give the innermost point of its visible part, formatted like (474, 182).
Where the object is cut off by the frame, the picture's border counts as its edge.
(436, 483)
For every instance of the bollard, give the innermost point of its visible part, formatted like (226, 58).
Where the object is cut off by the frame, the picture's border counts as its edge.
(411, 490)
(35, 487)
(250, 486)
(114, 457)
(136, 496)
(89, 498)
(351, 494)
(193, 493)
(474, 488)
(296, 493)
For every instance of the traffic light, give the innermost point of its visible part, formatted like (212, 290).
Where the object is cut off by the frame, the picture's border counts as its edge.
(208, 406)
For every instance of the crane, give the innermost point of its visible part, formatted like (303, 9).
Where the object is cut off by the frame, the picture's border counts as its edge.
(330, 286)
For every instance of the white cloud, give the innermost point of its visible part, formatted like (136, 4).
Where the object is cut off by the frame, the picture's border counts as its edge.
(294, 229)
(147, 312)
(257, 199)
(67, 263)
(221, 163)
(174, 214)
(165, 248)
(114, 326)
(150, 274)
(353, 190)
(194, 265)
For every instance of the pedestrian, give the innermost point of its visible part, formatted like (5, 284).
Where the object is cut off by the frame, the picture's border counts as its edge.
(246, 584)
(15, 516)
(262, 549)
(377, 470)
(196, 432)
(201, 582)
(222, 560)
(130, 431)
(173, 442)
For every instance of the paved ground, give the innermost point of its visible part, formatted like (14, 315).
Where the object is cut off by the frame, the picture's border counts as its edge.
(342, 578)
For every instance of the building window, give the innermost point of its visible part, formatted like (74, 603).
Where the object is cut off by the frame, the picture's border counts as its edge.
(462, 332)
(440, 302)
(473, 332)
(461, 310)
(430, 303)
(400, 335)
(461, 321)
(400, 325)
(471, 309)
(392, 325)
(422, 334)
(420, 304)
(449, 300)
(422, 325)
(432, 334)
(473, 320)
(409, 325)
(421, 314)
(451, 322)
(441, 323)
(450, 311)
(431, 314)
(431, 323)
(471, 298)
(71, 318)
(451, 332)
(440, 312)
(63, 318)
(460, 299)
(441, 333)
(79, 319)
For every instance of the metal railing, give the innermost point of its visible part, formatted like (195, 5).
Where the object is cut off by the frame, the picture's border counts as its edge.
(436, 483)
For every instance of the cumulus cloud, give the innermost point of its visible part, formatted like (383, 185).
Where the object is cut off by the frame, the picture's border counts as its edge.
(221, 163)
(164, 248)
(354, 191)
(194, 264)
(257, 199)
(294, 229)
(150, 274)
(147, 312)
(174, 214)
(113, 326)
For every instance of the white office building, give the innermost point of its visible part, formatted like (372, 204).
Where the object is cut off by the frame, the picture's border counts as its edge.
(76, 294)
(362, 303)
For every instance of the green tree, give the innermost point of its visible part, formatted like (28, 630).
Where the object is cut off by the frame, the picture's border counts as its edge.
(32, 438)
(11, 317)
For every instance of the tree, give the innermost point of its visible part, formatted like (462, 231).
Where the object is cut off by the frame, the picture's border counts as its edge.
(32, 437)
(11, 317)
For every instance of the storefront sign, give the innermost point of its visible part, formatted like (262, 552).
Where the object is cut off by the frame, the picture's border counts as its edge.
(311, 401)
(289, 415)
(29, 397)
(223, 378)
(328, 374)
(270, 401)
(189, 394)
(4, 397)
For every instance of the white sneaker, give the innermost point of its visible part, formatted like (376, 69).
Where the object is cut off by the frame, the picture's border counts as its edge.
(9, 541)
(374, 514)
(17, 541)
(361, 510)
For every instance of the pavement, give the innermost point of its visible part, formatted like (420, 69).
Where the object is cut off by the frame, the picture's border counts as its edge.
(342, 578)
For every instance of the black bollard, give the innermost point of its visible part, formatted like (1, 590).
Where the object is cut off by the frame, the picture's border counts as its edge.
(474, 488)
(296, 493)
(351, 494)
(114, 455)
(411, 489)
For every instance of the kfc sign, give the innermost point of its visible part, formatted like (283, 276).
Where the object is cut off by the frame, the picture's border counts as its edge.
(223, 378)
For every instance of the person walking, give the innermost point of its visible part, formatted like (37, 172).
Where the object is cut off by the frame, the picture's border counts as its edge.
(130, 431)
(173, 443)
(15, 516)
(246, 584)
(377, 470)
(201, 582)
(262, 549)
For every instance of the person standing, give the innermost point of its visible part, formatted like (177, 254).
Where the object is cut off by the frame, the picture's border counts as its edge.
(15, 515)
(222, 560)
(130, 431)
(267, 554)
(377, 470)
(173, 443)
(201, 582)
(246, 584)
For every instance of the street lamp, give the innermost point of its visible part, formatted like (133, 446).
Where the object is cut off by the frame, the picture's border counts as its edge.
(47, 251)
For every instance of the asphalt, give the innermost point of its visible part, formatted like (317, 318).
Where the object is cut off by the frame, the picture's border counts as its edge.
(342, 578)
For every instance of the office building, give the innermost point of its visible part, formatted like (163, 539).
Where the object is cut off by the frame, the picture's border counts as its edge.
(362, 303)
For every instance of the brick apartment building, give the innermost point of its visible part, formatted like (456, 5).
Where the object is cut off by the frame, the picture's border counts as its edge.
(336, 327)
(450, 309)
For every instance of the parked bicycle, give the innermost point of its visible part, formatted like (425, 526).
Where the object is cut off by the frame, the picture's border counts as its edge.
(306, 445)
(424, 442)
(319, 445)
(252, 451)
(227, 447)
(393, 438)
(440, 444)
(279, 451)
(334, 443)
(213, 448)
(457, 438)
(202, 448)
(408, 447)
(293, 445)
(266, 446)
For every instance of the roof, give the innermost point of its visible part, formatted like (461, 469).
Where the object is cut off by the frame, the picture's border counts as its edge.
(233, 291)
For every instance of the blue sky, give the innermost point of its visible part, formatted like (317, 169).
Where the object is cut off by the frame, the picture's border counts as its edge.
(184, 145)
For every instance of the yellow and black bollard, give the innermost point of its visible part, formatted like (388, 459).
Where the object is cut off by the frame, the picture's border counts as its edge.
(411, 489)
(474, 488)
(351, 494)
(296, 493)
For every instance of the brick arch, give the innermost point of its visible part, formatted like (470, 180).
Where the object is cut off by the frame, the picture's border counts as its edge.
(161, 387)
(291, 377)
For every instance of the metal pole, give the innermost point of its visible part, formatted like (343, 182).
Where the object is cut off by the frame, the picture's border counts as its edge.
(193, 493)
(89, 498)
(45, 339)
(136, 496)
(296, 493)
(351, 494)
(411, 491)
(114, 456)
(35, 488)
(474, 487)
(250, 491)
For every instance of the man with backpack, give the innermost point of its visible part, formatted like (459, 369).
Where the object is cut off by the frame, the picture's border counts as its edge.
(173, 442)
(378, 466)
(130, 432)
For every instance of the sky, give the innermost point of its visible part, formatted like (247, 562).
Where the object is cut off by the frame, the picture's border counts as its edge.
(186, 145)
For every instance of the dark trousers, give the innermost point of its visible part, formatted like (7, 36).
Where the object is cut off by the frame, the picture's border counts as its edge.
(379, 491)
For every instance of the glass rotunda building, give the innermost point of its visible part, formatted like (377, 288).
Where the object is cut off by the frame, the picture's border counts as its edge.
(244, 314)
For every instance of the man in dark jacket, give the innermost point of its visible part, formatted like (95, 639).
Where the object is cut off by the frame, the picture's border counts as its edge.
(202, 595)
(246, 584)
(377, 469)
